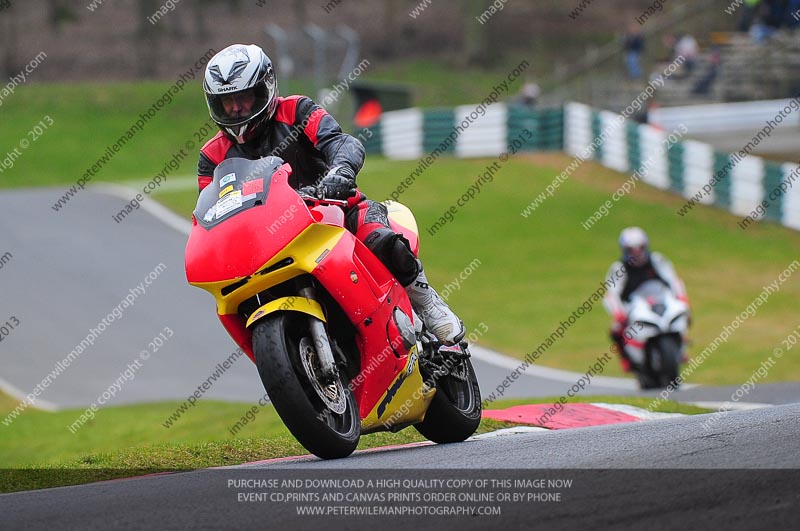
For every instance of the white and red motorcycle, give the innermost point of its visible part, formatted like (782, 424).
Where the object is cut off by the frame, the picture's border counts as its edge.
(655, 338)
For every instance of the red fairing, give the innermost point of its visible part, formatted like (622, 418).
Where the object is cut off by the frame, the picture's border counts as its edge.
(353, 294)
(368, 294)
(235, 326)
(383, 354)
(362, 286)
(241, 245)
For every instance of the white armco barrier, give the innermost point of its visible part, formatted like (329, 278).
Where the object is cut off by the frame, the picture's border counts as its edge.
(692, 170)
(747, 185)
(698, 162)
(654, 156)
(486, 136)
(402, 134)
(688, 166)
(577, 128)
(615, 146)
(726, 117)
(791, 197)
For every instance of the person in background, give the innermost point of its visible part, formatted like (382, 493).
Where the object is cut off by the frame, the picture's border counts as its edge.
(687, 48)
(705, 84)
(633, 44)
(749, 10)
(529, 94)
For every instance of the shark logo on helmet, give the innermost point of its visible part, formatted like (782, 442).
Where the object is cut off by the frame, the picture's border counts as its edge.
(236, 61)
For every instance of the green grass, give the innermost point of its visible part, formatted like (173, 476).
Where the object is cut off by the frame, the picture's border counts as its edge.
(88, 118)
(130, 440)
(123, 441)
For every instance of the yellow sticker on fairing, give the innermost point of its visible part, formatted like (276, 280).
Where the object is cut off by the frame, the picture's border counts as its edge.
(226, 190)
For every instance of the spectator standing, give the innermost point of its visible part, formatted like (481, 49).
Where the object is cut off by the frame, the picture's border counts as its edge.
(633, 44)
(688, 48)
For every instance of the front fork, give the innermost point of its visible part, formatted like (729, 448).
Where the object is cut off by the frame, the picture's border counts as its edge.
(320, 338)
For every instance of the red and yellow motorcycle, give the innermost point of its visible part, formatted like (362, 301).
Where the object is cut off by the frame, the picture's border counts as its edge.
(336, 342)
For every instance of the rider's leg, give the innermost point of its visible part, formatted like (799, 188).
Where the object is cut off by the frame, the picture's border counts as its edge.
(369, 221)
(619, 345)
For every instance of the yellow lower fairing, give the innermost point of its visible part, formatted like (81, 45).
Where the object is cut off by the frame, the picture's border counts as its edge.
(293, 304)
(404, 403)
(303, 252)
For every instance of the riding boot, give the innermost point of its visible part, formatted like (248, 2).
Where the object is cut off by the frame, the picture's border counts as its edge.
(435, 313)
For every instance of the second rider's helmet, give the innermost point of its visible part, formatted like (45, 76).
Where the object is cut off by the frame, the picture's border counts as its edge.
(634, 245)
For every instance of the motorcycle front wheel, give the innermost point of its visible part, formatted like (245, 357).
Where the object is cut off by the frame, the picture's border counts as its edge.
(321, 413)
(669, 352)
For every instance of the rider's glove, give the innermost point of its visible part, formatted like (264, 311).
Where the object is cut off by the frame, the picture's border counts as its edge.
(339, 183)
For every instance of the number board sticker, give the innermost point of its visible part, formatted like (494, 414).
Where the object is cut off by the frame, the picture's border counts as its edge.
(227, 179)
(253, 187)
(229, 203)
(210, 213)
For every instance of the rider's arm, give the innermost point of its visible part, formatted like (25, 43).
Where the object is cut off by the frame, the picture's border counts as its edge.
(325, 134)
(211, 154)
(667, 272)
(615, 283)
(205, 172)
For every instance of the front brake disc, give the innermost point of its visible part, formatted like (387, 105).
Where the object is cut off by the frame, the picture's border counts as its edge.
(331, 391)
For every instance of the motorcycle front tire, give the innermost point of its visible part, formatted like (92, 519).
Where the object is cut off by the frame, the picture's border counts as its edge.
(276, 346)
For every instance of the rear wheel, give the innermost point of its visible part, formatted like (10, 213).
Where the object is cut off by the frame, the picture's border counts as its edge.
(455, 411)
(321, 413)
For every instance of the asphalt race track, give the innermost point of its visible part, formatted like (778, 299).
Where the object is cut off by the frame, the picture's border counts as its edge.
(639, 477)
(71, 269)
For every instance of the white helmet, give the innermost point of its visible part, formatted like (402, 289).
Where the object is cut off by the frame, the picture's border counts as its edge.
(634, 244)
(241, 90)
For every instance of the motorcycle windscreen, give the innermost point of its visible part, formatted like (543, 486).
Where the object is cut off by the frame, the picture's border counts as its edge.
(239, 184)
(655, 288)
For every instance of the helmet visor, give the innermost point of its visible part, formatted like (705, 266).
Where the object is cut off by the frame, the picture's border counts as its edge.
(236, 108)
(635, 255)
